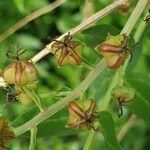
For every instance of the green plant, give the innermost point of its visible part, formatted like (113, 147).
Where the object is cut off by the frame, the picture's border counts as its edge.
(118, 82)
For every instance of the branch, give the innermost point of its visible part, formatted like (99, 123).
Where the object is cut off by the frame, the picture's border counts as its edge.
(33, 132)
(134, 16)
(29, 18)
(97, 16)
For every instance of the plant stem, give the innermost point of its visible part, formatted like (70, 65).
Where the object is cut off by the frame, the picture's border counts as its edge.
(134, 16)
(97, 16)
(29, 18)
(89, 140)
(33, 96)
(33, 132)
(51, 110)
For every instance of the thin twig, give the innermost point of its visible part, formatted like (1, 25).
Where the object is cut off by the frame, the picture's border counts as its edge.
(132, 120)
(29, 18)
(97, 16)
(33, 132)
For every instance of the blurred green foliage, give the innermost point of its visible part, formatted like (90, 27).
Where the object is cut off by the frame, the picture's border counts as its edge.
(52, 133)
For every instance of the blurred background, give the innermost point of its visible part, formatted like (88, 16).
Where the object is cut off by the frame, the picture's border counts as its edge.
(52, 134)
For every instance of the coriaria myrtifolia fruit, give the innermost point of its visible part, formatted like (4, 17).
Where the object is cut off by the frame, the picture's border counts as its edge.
(82, 114)
(122, 95)
(6, 134)
(114, 50)
(67, 51)
(20, 73)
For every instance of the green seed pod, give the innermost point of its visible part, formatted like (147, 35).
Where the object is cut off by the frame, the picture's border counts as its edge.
(114, 50)
(82, 114)
(20, 73)
(67, 51)
(24, 99)
(123, 94)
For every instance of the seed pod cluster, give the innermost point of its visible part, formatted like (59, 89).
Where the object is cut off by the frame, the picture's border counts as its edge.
(114, 50)
(67, 51)
(82, 114)
(6, 134)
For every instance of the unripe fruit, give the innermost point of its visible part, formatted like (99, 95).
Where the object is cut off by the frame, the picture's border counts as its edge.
(24, 99)
(82, 114)
(20, 73)
(114, 50)
(123, 94)
(67, 51)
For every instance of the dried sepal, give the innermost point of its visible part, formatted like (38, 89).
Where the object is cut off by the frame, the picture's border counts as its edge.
(6, 134)
(114, 50)
(82, 115)
(122, 95)
(67, 51)
(20, 73)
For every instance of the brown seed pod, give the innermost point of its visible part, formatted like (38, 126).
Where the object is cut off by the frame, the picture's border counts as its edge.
(114, 49)
(82, 117)
(20, 73)
(67, 51)
(6, 134)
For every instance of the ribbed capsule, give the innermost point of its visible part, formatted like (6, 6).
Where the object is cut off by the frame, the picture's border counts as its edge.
(67, 51)
(81, 115)
(20, 73)
(113, 50)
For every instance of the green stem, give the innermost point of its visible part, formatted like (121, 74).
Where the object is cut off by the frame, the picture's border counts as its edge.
(32, 94)
(39, 100)
(33, 132)
(89, 140)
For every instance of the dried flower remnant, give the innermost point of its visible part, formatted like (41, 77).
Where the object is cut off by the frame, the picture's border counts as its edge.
(122, 95)
(114, 49)
(67, 51)
(20, 73)
(82, 115)
(6, 134)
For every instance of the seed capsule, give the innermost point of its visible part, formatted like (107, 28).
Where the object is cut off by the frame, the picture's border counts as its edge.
(114, 50)
(20, 73)
(122, 95)
(6, 134)
(82, 116)
(67, 51)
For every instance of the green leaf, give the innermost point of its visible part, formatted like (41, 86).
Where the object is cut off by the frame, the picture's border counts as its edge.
(141, 103)
(20, 5)
(55, 126)
(108, 129)
(97, 34)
